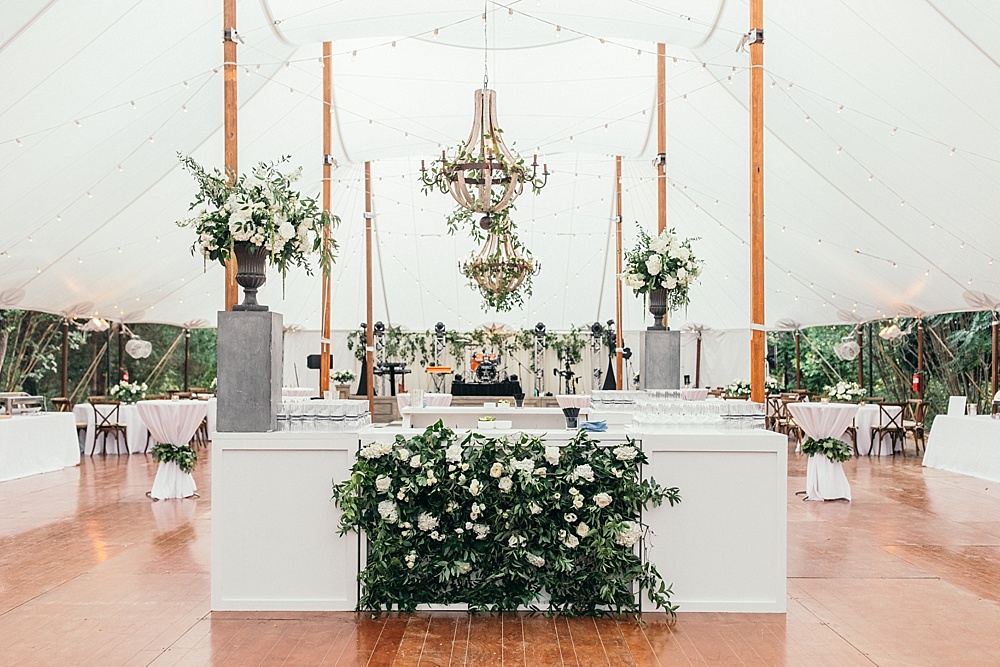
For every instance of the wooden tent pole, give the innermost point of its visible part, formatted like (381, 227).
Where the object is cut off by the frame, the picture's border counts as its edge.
(697, 361)
(618, 271)
(230, 123)
(861, 358)
(920, 359)
(121, 351)
(757, 341)
(324, 336)
(798, 361)
(64, 379)
(661, 142)
(187, 359)
(993, 362)
(369, 340)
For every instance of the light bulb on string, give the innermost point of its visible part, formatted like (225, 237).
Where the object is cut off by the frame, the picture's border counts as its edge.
(186, 85)
(558, 31)
(78, 123)
(132, 104)
(638, 54)
(354, 55)
(893, 131)
(184, 108)
(18, 142)
(840, 109)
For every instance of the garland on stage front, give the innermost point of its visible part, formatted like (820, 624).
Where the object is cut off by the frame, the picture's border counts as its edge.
(836, 450)
(502, 524)
(183, 455)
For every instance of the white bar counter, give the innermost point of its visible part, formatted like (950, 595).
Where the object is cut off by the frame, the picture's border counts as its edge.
(36, 443)
(274, 526)
(468, 417)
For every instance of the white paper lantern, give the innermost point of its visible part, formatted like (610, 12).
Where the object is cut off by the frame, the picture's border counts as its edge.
(138, 348)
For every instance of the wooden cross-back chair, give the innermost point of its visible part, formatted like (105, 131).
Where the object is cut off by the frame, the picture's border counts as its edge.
(108, 422)
(890, 423)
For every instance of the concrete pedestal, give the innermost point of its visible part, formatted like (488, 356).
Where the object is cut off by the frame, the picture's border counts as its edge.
(660, 352)
(250, 362)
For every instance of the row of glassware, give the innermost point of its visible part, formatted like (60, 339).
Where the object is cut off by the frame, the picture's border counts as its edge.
(665, 410)
(326, 415)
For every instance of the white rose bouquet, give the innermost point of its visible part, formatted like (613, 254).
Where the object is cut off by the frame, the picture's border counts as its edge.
(260, 209)
(664, 261)
(845, 392)
(129, 392)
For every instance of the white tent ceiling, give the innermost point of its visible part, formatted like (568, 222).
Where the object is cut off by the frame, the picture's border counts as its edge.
(882, 150)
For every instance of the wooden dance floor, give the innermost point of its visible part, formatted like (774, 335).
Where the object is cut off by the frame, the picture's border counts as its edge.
(93, 573)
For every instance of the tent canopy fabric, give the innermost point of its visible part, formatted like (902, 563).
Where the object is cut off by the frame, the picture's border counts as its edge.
(882, 154)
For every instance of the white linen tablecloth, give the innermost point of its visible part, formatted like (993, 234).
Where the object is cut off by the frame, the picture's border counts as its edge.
(43, 442)
(298, 392)
(866, 418)
(128, 414)
(437, 400)
(173, 422)
(573, 400)
(825, 479)
(694, 394)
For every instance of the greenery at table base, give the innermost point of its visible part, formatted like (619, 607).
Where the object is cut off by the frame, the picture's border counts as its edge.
(836, 450)
(182, 455)
(129, 392)
(501, 524)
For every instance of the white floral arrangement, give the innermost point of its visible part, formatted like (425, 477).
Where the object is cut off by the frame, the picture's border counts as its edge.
(129, 392)
(664, 261)
(845, 392)
(261, 209)
(492, 522)
(738, 388)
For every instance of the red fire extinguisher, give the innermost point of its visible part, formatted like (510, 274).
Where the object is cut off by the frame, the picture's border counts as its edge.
(916, 382)
(125, 376)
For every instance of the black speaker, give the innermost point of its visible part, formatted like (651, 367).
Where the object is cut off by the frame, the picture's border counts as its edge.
(312, 361)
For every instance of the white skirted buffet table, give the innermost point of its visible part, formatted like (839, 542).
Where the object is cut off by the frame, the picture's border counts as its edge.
(468, 417)
(969, 445)
(275, 545)
(36, 443)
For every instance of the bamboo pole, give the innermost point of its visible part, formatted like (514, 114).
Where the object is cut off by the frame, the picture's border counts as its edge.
(661, 143)
(757, 341)
(64, 375)
(230, 124)
(324, 345)
(618, 270)
(369, 340)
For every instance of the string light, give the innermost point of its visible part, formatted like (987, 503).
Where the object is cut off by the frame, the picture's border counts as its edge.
(354, 55)
(558, 31)
(78, 123)
(132, 103)
(18, 142)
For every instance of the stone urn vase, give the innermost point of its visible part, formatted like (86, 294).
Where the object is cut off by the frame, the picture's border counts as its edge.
(658, 307)
(251, 273)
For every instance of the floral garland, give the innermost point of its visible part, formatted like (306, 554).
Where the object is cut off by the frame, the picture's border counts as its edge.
(494, 523)
(836, 450)
(129, 392)
(182, 455)
(845, 392)
(664, 261)
(260, 209)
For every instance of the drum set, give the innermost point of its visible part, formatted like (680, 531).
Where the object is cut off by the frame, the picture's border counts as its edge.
(485, 367)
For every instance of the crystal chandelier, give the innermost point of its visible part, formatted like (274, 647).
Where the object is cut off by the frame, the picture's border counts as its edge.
(499, 267)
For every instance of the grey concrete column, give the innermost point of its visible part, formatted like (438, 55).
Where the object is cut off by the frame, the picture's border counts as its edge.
(660, 354)
(249, 371)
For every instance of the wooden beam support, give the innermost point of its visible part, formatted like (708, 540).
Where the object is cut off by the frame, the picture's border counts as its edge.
(661, 143)
(369, 333)
(697, 361)
(798, 360)
(758, 338)
(920, 359)
(619, 383)
(231, 112)
(64, 376)
(325, 309)
(861, 358)
(993, 362)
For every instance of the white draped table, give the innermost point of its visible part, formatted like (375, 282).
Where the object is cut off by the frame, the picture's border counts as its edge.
(35, 443)
(127, 414)
(825, 479)
(172, 422)
(867, 417)
(690, 394)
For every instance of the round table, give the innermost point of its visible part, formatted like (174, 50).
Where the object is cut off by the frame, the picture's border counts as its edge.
(127, 414)
(173, 422)
(825, 479)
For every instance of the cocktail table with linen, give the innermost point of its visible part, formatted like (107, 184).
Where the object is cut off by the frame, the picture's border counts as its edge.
(825, 479)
